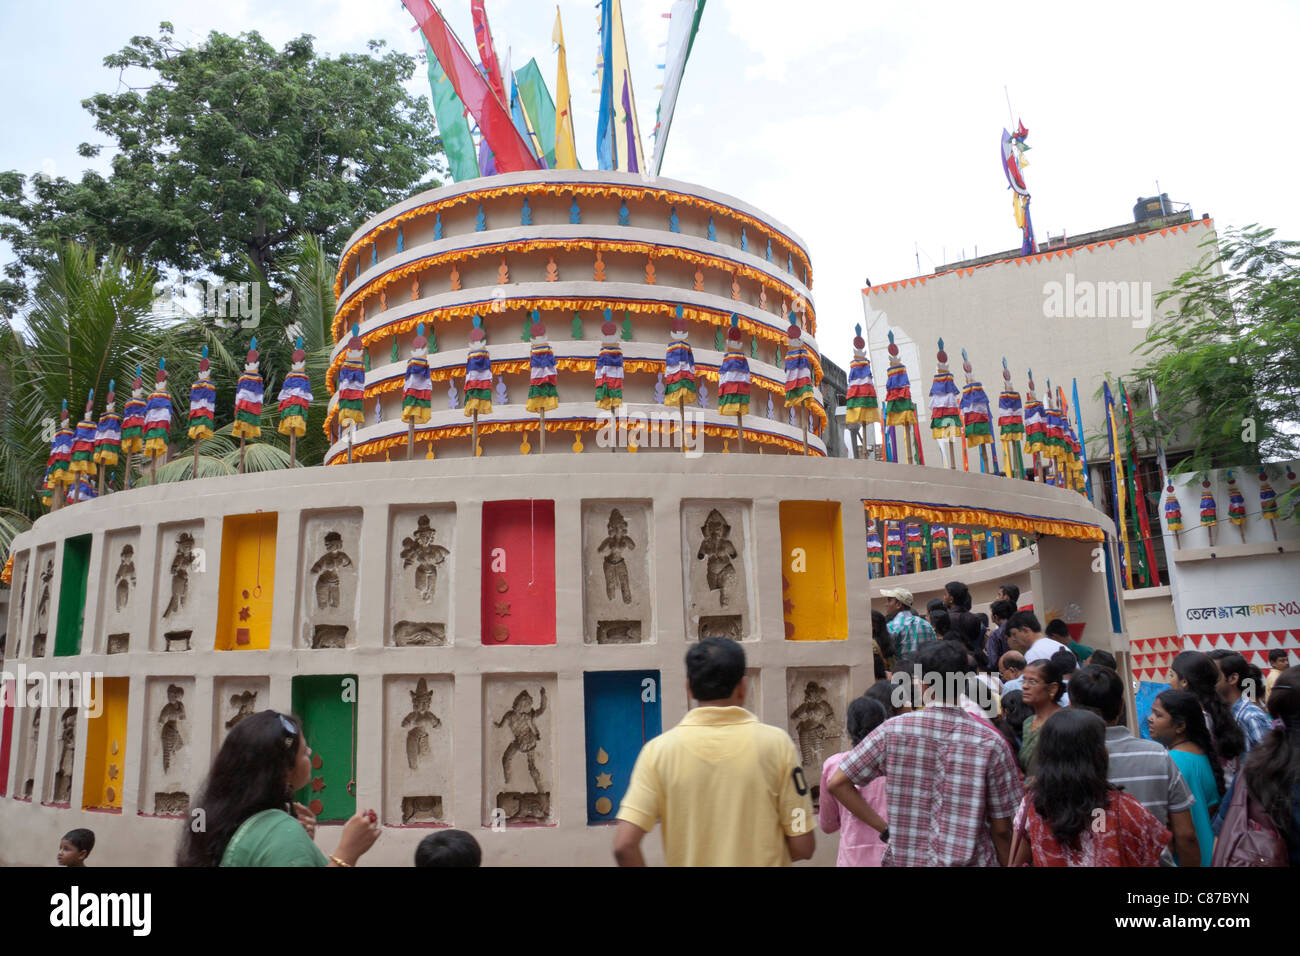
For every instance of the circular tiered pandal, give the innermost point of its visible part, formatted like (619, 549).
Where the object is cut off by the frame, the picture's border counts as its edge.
(479, 625)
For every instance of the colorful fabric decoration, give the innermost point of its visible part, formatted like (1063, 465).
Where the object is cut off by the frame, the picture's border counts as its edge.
(295, 395)
(1236, 501)
(875, 553)
(1011, 420)
(1173, 511)
(977, 418)
(203, 401)
(352, 382)
(1013, 165)
(108, 434)
(733, 376)
(961, 538)
(1035, 421)
(249, 393)
(59, 464)
(83, 441)
(609, 367)
(1267, 497)
(478, 373)
(798, 370)
(679, 368)
(417, 386)
(133, 417)
(899, 407)
(861, 404)
(945, 400)
(158, 415)
(1209, 510)
(938, 538)
(83, 490)
(542, 373)
(893, 539)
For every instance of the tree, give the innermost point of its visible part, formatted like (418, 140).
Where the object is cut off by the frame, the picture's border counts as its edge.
(1226, 361)
(231, 150)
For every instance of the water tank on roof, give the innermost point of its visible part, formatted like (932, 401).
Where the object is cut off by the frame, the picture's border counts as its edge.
(1153, 207)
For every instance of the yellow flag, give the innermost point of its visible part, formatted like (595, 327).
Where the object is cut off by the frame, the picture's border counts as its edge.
(566, 154)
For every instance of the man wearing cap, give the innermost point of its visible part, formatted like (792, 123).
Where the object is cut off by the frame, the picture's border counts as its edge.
(908, 630)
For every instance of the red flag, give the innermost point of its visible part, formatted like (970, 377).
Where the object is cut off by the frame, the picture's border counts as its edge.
(511, 152)
(487, 52)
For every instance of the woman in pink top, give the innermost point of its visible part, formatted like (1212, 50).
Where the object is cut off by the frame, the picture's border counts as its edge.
(860, 845)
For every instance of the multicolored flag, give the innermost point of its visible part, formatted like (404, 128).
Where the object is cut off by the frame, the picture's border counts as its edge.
(798, 370)
(478, 372)
(1150, 573)
(861, 404)
(133, 417)
(733, 376)
(203, 401)
(945, 400)
(1173, 510)
(566, 151)
(108, 433)
(679, 366)
(683, 25)
(295, 395)
(417, 387)
(249, 393)
(352, 382)
(59, 464)
(158, 416)
(976, 416)
(542, 373)
(899, 407)
(453, 128)
(539, 109)
(83, 440)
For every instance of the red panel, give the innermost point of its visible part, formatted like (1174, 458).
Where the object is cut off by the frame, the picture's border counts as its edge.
(518, 572)
(7, 734)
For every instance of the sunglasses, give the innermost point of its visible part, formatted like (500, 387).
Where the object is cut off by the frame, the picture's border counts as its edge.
(291, 731)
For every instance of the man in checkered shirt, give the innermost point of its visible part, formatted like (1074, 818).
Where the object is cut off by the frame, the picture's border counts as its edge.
(907, 629)
(953, 783)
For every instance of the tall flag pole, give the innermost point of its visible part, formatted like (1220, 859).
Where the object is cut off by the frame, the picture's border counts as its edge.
(606, 138)
(1035, 428)
(1138, 495)
(1117, 484)
(683, 25)
(453, 128)
(478, 381)
(862, 407)
(203, 408)
(734, 381)
(566, 151)
(975, 413)
(511, 153)
(1209, 510)
(295, 398)
(630, 154)
(542, 376)
(945, 405)
(487, 52)
(417, 389)
(1236, 504)
(1013, 165)
(798, 377)
(157, 422)
(249, 393)
(899, 407)
(83, 442)
(1083, 446)
(679, 371)
(1267, 501)
(1011, 423)
(108, 437)
(539, 110)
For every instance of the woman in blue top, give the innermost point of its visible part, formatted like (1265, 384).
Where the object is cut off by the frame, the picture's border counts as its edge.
(1177, 722)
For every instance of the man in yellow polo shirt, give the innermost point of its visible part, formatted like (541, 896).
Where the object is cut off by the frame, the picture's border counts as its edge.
(728, 789)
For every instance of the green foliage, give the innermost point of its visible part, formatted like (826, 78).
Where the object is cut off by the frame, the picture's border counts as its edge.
(1228, 355)
(230, 151)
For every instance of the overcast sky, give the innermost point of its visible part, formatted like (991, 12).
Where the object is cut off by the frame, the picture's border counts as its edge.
(867, 128)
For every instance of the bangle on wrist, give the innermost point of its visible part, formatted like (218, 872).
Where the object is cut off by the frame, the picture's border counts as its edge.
(340, 862)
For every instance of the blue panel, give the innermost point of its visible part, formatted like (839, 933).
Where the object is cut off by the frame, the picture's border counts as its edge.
(622, 712)
(1147, 693)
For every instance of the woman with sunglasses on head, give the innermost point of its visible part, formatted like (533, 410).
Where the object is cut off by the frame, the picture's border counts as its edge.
(1041, 688)
(249, 817)
(1178, 722)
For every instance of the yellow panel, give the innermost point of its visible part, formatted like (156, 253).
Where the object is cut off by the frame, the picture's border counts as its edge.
(247, 582)
(812, 566)
(106, 749)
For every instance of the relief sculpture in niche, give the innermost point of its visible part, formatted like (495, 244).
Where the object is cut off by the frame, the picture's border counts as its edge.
(420, 551)
(124, 578)
(43, 611)
(327, 570)
(244, 704)
(67, 743)
(420, 717)
(30, 780)
(169, 719)
(815, 723)
(180, 572)
(718, 549)
(522, 721)
(616, 542)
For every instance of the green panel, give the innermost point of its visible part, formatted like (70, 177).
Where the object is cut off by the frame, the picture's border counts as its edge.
(327, 706)
(72, 596)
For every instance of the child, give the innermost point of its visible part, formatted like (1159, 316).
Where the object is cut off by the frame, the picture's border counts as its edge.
(448, 848)
(76, 846)
(860, 845)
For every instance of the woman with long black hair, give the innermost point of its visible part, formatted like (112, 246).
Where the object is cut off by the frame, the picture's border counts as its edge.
(249, 817)
(1071, 814)
(1178, 722)
(1195, 672)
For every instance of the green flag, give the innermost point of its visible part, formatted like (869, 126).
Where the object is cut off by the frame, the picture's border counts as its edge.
(452, 125)
(539, 106)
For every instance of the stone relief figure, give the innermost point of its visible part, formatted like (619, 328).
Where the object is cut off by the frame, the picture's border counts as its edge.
(717, 547)
(816, 720)
(22, 596)
(616, 542)
(124, 577)
(180, 572)
(169, 719)
(417, 738)
(245, 703)
(327, 568)
(522, 718)
(67, 744)
(43, 605)
(419, 550)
